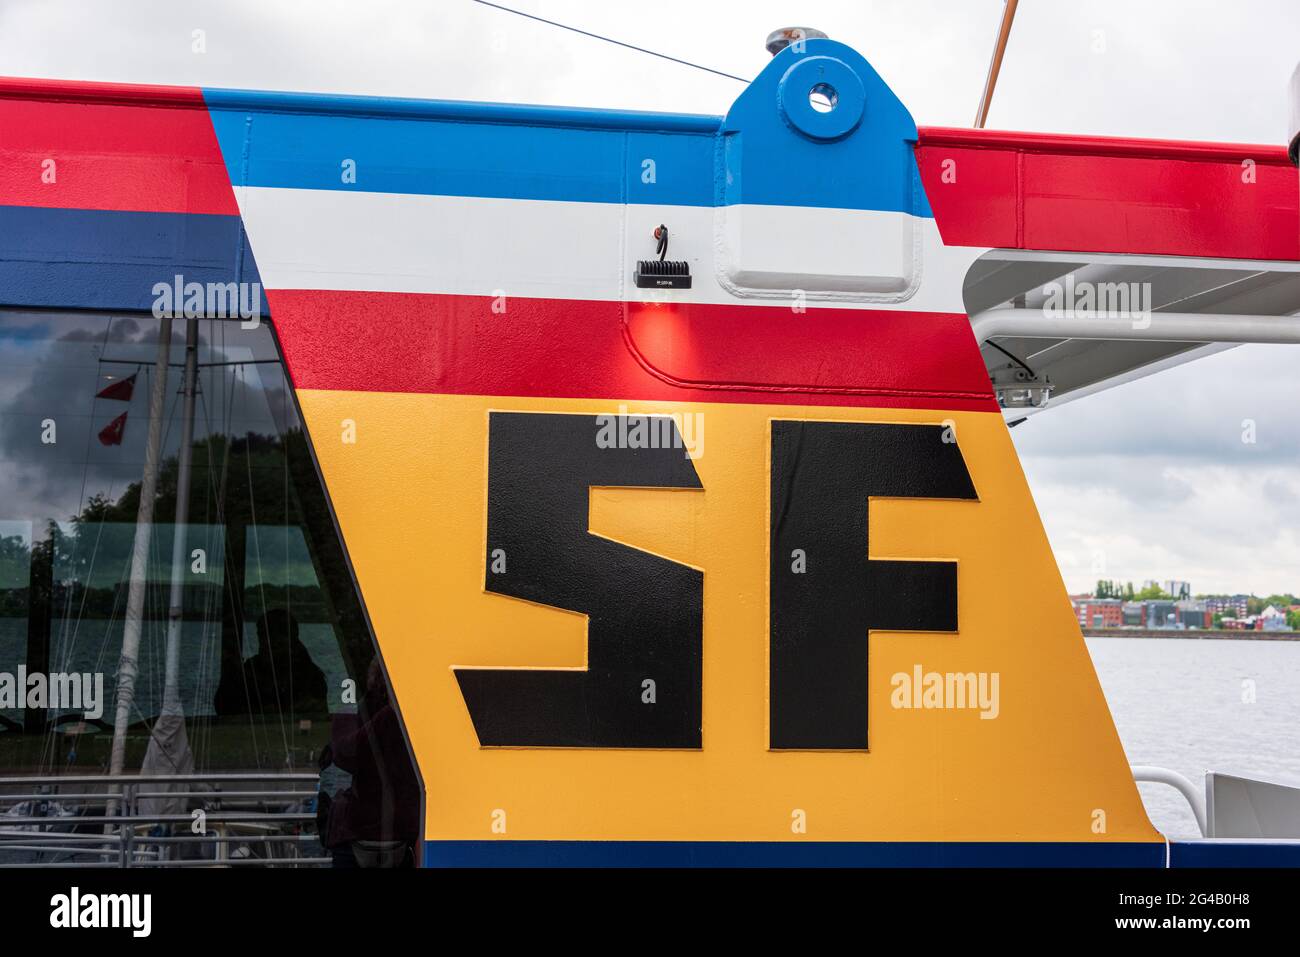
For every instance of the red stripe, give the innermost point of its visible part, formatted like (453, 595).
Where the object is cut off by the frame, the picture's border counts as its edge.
(87, 91)
(403, 342)
(125, 148)
(1094, 194)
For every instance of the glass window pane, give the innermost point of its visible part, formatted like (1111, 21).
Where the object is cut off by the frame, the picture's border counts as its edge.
(275, 668)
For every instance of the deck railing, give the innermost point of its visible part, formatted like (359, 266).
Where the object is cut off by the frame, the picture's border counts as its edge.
(233, 819)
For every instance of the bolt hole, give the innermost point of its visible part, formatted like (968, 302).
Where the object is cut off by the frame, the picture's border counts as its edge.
(823, 97)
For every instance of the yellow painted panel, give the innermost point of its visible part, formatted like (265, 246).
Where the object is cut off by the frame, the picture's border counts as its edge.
(410, 494)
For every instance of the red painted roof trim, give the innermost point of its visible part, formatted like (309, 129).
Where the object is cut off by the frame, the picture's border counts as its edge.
(1070, 144)
(82, 91)
(192, 97)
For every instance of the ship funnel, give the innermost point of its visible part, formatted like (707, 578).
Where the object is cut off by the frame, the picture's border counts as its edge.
(778, 40)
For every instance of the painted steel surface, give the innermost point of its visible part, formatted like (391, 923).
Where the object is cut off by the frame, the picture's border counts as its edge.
(451, 287)
(1101, 195)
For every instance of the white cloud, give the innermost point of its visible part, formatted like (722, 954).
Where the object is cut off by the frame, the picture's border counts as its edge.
(1152, 479)
(1179, 68)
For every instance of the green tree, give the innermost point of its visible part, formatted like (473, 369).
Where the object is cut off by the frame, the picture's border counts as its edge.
(1109, 588)
(15, 561)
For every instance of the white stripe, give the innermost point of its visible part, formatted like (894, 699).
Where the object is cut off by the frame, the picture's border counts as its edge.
(456, 245)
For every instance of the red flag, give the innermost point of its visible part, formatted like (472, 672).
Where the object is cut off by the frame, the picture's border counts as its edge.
(111, 434)
(120, 390)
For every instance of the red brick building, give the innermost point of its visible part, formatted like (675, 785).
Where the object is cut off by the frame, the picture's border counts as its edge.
(1098, 612)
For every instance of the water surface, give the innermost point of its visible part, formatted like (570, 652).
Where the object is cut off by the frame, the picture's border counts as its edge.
(1196, 705)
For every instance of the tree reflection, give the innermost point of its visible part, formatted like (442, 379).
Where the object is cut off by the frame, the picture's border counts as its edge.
(265, 702)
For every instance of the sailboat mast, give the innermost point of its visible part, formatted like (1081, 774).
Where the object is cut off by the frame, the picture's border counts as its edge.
(171, 704)
(128, 662)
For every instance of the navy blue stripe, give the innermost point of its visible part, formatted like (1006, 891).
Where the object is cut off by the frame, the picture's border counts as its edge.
(1233, 854)
(507, 853)
(110, 259)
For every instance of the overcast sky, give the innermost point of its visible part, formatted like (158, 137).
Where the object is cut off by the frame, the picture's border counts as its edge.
(1149, 480)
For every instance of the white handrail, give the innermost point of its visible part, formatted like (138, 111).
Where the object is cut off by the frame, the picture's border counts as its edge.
(1154, 775)
(1155, 327)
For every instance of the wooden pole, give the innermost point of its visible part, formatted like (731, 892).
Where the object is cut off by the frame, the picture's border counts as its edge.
(995, 66)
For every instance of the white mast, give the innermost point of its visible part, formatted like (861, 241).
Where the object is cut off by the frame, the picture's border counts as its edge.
(128, 663)
(171, 691)
(169, 748)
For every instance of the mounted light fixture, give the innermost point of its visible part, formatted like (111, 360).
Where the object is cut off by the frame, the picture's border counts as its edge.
(662, 273)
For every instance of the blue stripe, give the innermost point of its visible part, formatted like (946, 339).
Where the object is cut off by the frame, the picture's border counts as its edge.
(755, 156)
(110, 259)
(397, 154)
(380, 107)
(1211, 853)
(507, 853)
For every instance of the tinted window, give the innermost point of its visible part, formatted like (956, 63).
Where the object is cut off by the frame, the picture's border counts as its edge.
(275, 657)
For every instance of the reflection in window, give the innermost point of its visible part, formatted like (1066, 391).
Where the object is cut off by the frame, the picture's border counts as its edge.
(275, 658)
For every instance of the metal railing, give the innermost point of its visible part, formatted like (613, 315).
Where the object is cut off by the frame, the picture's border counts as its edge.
(1148, 774)
(233, 819)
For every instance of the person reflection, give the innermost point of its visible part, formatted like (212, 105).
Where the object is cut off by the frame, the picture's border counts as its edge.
(281, 679)
(375, 821)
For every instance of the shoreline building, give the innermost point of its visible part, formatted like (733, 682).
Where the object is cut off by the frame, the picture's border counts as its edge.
(1098, 612)
(1227, 604)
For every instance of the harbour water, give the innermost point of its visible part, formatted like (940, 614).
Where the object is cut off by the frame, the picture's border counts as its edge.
(1194, 706)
